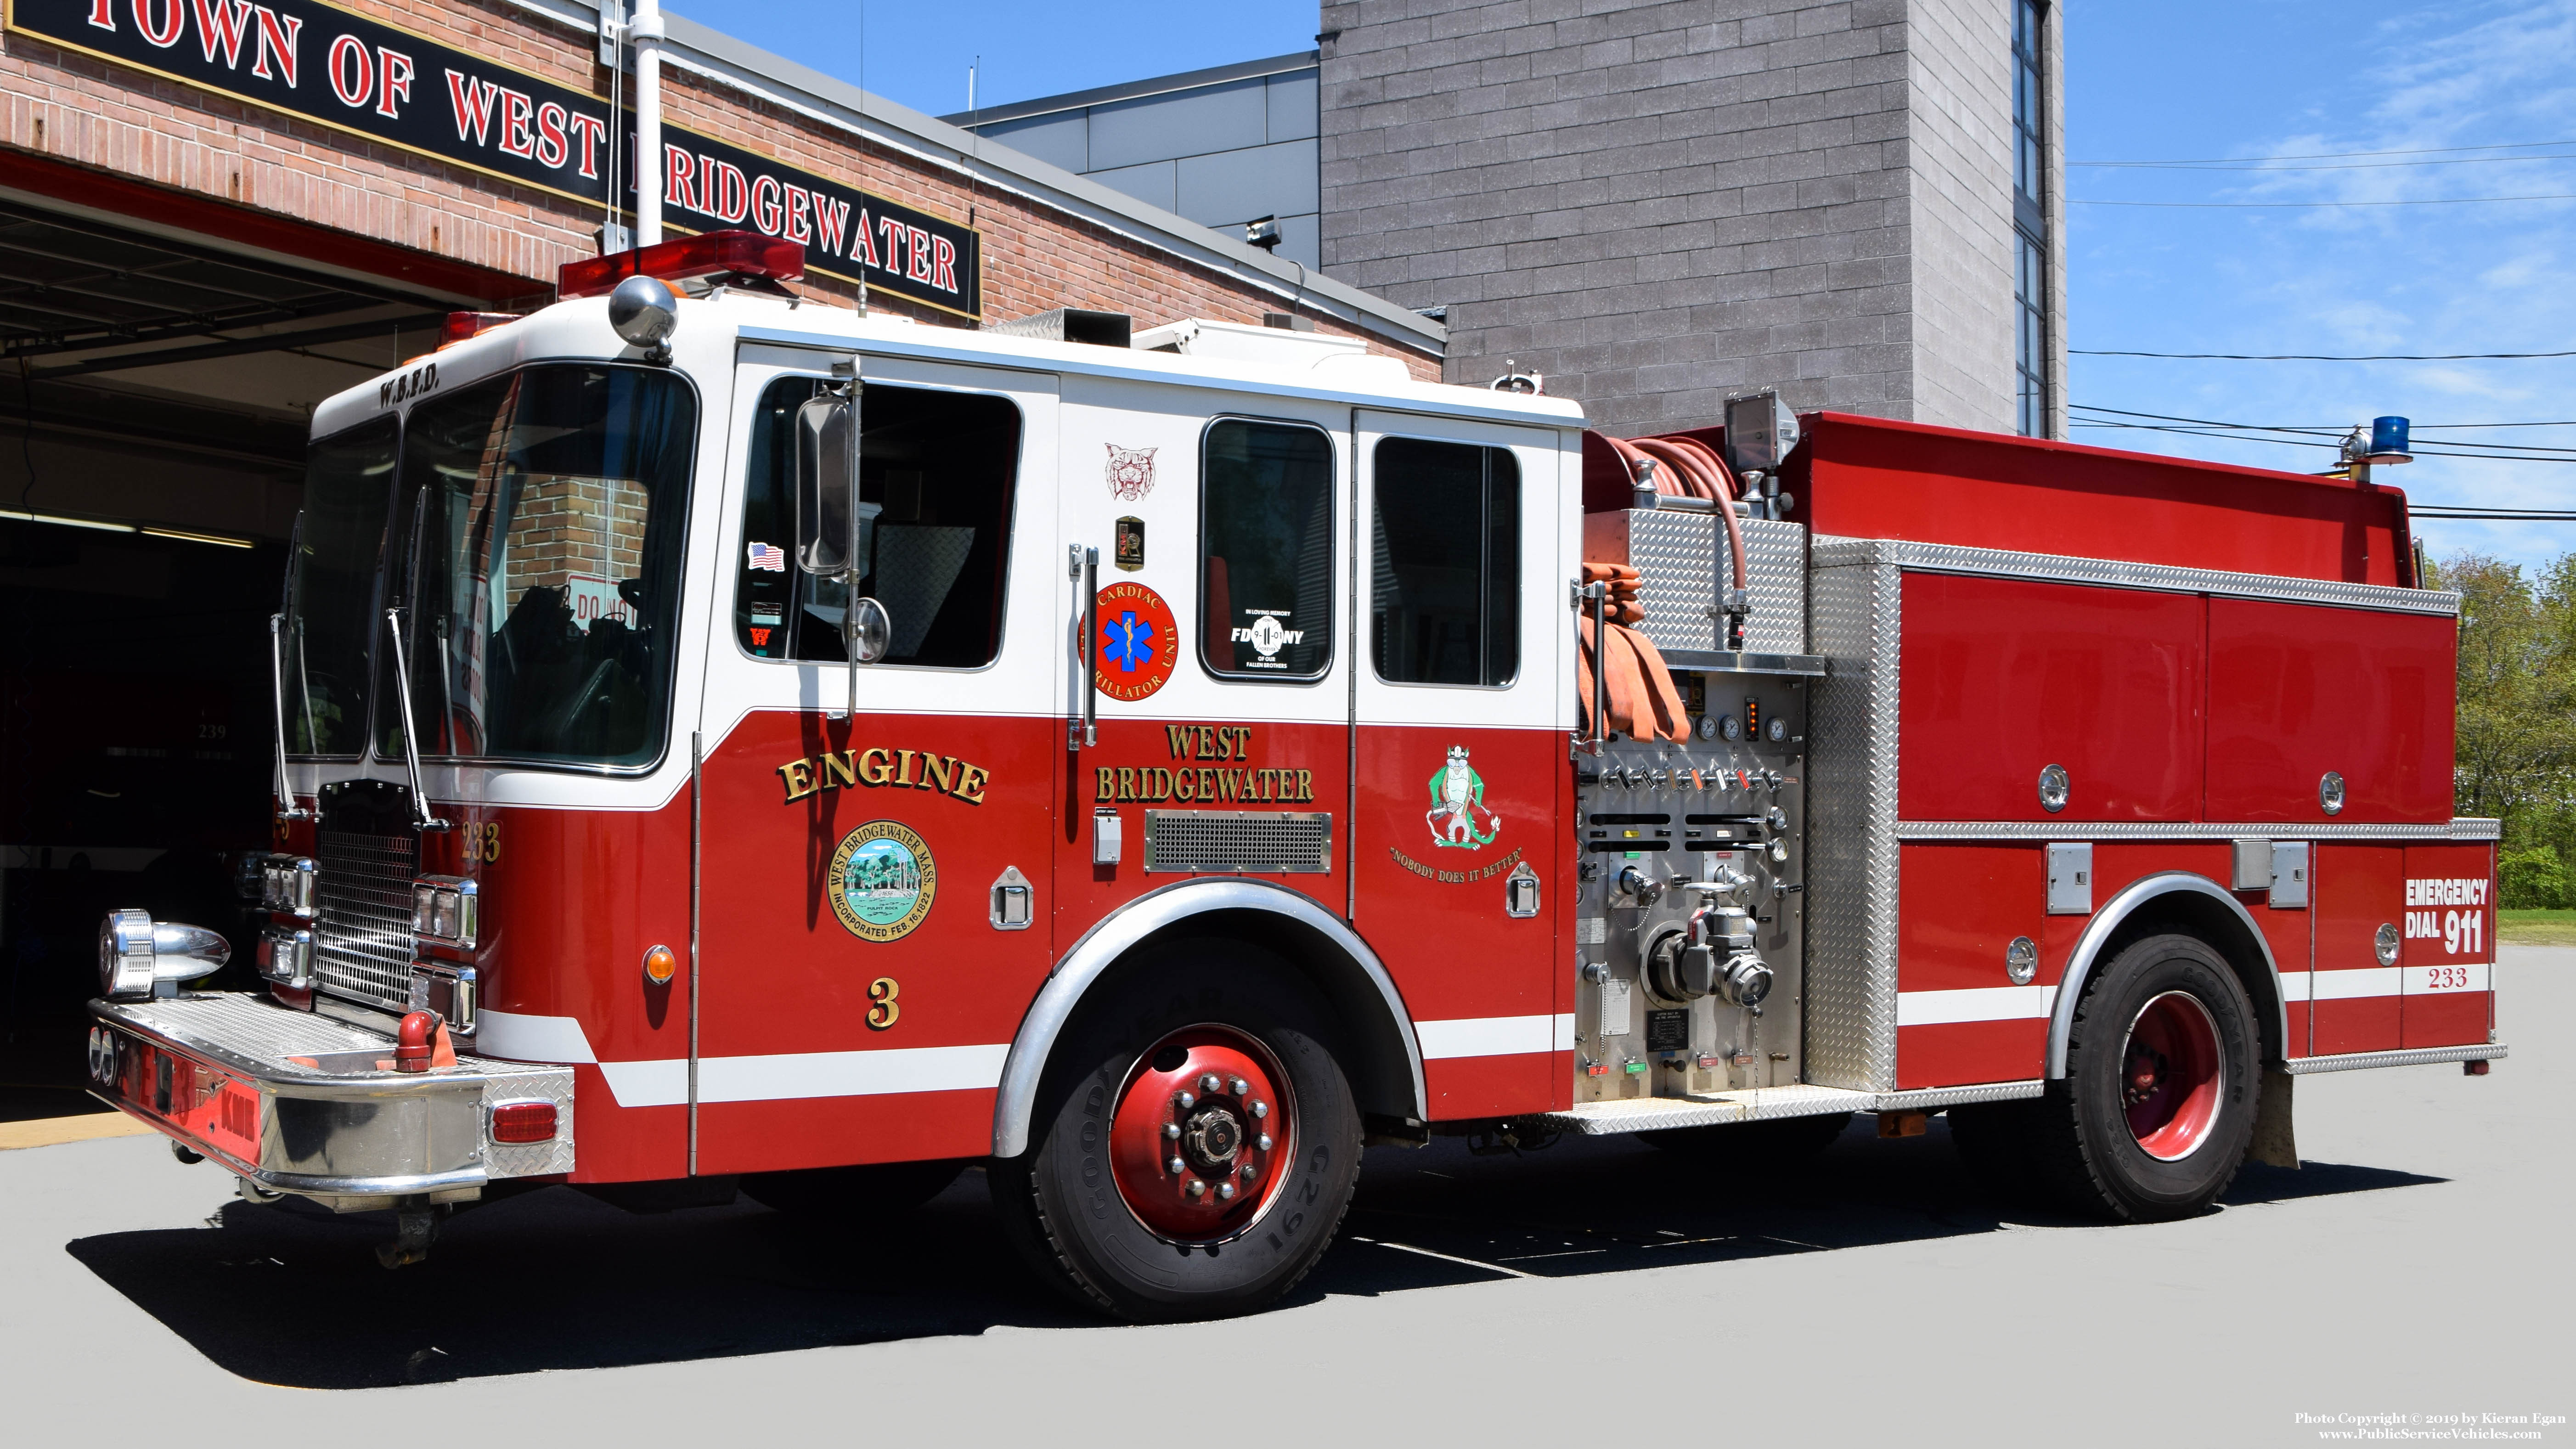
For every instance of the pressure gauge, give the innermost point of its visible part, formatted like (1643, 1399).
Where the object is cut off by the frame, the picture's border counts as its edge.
(1777, 729)
(1728, 729)
(1708, 726)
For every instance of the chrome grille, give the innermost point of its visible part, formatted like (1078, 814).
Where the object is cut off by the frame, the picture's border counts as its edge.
(362, 940)
(1263, 842)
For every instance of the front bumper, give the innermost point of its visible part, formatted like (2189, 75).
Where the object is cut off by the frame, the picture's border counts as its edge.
(303, 1104)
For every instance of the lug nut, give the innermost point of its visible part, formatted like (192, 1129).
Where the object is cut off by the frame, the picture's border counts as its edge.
(1171, 1131)
(1175, 1166)
(1197, 1188)
(1185, 1101)
(1209, 1084)
(1265, 1145)
(1250, 1172)
(1237, 1085)
(1260, 1109)
(1225, 1190)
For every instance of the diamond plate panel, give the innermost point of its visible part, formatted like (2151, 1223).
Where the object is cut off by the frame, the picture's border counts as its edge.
(249, 1027)
(1682, 569)
(1960, 559)
(512, 1082)
(1851, 821)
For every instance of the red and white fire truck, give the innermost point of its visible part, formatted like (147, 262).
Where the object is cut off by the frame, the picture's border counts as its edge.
(733, 743)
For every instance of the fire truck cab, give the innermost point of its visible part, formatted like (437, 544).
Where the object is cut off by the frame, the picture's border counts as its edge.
(733, 743)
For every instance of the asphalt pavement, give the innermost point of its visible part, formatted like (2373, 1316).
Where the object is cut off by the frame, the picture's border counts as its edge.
(1599, 1291)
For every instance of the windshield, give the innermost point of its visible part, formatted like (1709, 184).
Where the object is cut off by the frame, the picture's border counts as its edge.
(331, 589)
(536, 545)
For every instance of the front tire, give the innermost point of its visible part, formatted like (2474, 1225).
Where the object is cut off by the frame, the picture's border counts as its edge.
(2156, 1109)
(1214, 1057)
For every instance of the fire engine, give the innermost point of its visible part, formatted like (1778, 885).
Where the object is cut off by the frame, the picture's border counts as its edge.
(732, 743)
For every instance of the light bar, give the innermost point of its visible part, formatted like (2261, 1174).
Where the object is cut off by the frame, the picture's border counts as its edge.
(744, 253)
(460, 326)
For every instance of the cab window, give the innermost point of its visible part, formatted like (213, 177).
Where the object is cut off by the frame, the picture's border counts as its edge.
(1446, 531)
(943, 466)
(1266, 551)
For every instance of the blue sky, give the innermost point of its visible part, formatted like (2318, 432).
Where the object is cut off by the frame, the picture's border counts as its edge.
(2174, 80)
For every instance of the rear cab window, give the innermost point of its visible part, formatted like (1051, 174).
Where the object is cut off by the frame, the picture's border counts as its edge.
(1266, 550)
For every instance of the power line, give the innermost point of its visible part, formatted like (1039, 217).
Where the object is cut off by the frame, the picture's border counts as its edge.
(2338, 155)
(2498, 515)
(2344, 166)
(2318, 437)
(2278, 205)
(2324, 433)
(2324, 356)
(2328, 427)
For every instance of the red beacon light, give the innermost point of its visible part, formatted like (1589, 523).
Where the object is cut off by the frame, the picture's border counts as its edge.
(462, 326)
(738, 253)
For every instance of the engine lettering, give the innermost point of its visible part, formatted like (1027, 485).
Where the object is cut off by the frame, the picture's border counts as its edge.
(877, 768)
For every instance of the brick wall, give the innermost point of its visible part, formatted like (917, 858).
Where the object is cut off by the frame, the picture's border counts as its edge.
(1661, 202)
(72, 108)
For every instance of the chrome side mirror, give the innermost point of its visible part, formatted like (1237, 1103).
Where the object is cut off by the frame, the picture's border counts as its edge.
(871, 630)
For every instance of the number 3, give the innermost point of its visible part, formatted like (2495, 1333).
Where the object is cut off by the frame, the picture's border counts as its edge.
(491, 841)
(882, 992)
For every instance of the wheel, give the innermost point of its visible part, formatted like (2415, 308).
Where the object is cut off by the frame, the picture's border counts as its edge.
(2157, 1106)
(876, 1193)
(1194, 1145)
(1777, 1143)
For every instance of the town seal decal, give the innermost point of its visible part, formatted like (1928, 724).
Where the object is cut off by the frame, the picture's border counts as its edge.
(1458, 817)
(1133, 653)
(883, 881)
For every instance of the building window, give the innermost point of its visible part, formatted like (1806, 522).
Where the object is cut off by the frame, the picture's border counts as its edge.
(2030, 224)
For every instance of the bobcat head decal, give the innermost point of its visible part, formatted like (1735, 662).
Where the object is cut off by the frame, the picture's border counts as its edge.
(1131, 471)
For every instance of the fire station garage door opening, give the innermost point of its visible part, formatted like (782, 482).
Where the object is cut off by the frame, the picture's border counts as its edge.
(154, 395)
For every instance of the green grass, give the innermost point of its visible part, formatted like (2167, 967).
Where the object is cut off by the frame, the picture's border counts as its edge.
(2537, 928)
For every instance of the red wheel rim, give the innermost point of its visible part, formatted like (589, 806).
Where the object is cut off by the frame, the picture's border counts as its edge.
(1204, 1130)
(2170, 1076)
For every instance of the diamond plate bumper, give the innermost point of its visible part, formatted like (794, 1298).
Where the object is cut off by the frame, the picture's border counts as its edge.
(1711, 1109)
(299, 1103)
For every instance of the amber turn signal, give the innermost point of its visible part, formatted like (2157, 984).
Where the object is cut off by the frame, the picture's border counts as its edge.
(660, 965)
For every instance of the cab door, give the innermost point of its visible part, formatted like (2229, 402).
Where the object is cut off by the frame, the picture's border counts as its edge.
(871, 885)
(1464, 704)
(1214, 659)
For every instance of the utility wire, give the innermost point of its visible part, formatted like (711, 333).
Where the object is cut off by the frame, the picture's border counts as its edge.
(2323, 356)
(2337, 155)
(2340, 166)
(2337, 432)
(2278, 205)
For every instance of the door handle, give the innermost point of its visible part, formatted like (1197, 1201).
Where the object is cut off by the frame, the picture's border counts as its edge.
(1084, 729)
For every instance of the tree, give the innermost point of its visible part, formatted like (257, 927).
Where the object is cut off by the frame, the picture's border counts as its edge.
(2517, 705)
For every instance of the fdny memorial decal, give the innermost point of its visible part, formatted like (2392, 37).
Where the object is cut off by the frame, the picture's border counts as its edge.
(910, 769)
(1236, 782)
(1458, 817)
(883, 881)
(1130, 472)
(1137, 643)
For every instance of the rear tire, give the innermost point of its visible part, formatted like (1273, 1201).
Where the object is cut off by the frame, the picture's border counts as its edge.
(1093, 1205)
(2156, 1109)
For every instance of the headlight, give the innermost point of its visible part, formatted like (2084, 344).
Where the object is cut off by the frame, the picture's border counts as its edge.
(445, 909)
(288, 883)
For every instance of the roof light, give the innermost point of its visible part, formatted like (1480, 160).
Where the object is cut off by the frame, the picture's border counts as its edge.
(185, 536)
(744, 253)
(460, 326)
(99, 524)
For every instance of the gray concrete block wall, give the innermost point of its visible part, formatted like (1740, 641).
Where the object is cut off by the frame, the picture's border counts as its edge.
(1660, 202)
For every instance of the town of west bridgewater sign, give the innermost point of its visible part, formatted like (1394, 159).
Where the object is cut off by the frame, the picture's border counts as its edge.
(326, 64)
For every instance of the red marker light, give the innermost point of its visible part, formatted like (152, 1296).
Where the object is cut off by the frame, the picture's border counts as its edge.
(523, 1122)
(745, 253)
(461, 325)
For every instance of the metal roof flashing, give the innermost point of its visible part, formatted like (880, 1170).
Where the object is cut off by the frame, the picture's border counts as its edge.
(776, 80)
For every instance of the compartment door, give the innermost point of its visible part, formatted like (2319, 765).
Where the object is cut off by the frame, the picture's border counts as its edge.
(2447, 995)
(1464, 707)
(859, 982)
(2356, 889)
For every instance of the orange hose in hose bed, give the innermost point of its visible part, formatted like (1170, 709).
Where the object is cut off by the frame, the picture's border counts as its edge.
(1707, 477)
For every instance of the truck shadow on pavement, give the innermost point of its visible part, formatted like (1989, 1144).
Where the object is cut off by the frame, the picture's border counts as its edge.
(292, 1295)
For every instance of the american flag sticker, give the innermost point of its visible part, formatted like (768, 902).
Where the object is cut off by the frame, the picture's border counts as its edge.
(769, 556)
